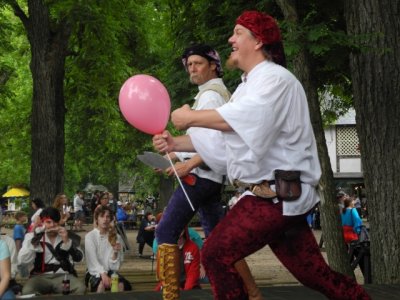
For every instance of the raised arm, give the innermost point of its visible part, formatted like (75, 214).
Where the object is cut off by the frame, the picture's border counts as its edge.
(184, 117)
(27, 253)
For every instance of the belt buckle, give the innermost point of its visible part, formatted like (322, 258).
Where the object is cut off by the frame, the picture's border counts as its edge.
(263, 190)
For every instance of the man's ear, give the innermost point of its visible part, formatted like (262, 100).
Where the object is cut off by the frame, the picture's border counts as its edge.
(213, 66)
(258, 45)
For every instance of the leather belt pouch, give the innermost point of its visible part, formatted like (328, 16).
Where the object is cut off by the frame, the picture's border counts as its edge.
(288, 185)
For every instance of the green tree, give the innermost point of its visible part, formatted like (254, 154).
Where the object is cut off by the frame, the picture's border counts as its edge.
(80, 55)
(15, 101)
(315, 42)
(48, 40)
(375, 65)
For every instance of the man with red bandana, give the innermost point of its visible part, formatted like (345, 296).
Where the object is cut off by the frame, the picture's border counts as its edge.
(266, 132)
(52, 250)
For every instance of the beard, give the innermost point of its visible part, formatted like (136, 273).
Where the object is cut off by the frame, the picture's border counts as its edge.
(231, 63)
(196, 79)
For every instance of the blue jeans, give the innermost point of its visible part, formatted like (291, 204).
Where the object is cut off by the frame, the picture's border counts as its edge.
(8, 295)
(205, 197)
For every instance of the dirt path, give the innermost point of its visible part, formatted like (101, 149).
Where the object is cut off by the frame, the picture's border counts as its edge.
(266, 269)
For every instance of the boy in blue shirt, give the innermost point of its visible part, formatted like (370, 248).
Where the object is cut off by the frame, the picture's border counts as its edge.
(19, 229)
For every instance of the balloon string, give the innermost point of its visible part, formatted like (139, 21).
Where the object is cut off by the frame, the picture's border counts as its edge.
(180, 182)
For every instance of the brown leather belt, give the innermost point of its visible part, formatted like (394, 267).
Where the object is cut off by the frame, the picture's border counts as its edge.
(261, 189)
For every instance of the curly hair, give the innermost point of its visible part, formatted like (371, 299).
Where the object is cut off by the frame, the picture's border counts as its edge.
(101, 210)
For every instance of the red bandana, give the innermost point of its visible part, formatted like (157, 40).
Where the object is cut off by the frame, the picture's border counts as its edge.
(263, 26)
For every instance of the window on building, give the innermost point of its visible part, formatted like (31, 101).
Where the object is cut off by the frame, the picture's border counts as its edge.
(347, 141)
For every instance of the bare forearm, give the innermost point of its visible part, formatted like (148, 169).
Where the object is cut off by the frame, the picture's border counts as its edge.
(183, 143)
(173, 156)
(166, 143)
(184, 118)
(5, 266)
(4, 284)
(208, 119)
(194, 162)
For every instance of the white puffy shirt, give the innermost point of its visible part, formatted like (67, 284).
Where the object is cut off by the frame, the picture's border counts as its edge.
(99, 252)
(272, 130)
(206, 99)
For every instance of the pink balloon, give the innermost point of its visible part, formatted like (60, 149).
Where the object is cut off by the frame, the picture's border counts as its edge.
(145, 103)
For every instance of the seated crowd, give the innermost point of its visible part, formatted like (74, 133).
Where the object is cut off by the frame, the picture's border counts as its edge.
(45, 252)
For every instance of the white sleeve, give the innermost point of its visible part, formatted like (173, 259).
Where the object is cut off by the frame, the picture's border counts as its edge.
(208, 100)
(277, 107)
(210, 145)
(182, 156)
(27, 253)
(36, 214)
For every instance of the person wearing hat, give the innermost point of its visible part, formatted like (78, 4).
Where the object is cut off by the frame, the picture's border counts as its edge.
(202, 185)
(203, 65)
(267, 143)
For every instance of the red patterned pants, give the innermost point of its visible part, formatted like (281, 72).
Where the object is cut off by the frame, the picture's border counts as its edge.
(254, 223)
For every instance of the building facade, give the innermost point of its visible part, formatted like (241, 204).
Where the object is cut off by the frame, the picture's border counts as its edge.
(345, 157)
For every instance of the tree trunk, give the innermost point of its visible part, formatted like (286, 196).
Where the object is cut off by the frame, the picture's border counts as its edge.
(330, 217)
(48, 49)
(376, 86)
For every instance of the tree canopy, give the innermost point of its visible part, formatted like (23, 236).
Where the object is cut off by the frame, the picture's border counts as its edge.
(106, 46)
